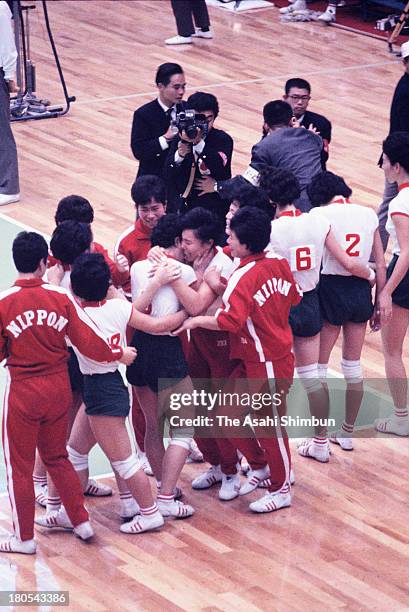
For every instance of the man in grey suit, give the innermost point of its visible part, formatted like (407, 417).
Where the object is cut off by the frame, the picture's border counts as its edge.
(9, 185)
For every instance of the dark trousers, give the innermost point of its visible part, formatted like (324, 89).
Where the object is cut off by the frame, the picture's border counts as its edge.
(8, 152)
(185, 10)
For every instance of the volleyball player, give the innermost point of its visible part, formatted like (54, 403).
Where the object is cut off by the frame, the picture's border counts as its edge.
(396, 168)
(345, 299)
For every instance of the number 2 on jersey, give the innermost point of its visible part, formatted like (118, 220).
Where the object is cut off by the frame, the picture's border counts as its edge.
(302, 258)
(352, 240)
(115, 340)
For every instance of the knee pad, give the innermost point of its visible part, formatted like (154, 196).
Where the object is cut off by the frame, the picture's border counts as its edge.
(322, 371)
(352, 371)
(183, 442)
(127, 467)
(309, 377)
(79, 462)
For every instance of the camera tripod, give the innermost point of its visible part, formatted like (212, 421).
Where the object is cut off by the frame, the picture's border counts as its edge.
(26, 105)
(401, 23)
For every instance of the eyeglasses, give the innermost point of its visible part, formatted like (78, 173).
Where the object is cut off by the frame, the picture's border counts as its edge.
(302, 98)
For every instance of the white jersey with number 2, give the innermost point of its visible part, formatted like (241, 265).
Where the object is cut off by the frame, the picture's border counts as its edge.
(353, 226)
(300, 238)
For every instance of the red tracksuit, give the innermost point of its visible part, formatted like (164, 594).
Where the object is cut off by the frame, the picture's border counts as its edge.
(257, 302)
(34, 320)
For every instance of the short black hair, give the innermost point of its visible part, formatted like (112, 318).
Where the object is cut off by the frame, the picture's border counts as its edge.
(277, 113)
(29, 250)
(205, 225)
(69, 240)
(165, 72)
(201, 101)
(146, 188)
(248, 195)
(326, 185)
(90, 277)
(297, 82)
(282, 186)
(74, 208)
(168, 228)
(396, 147)
(252, 228)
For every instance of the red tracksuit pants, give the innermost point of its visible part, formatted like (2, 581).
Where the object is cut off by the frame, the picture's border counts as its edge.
(209, 360)
(35, 415)
(259, 378)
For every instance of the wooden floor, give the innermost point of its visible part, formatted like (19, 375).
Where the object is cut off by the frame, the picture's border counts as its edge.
(344, 542)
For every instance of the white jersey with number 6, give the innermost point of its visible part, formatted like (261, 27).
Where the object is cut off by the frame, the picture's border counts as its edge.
(353, 226)
(300, 238)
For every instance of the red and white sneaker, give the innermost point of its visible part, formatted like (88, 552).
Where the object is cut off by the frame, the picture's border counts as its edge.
(209, 478)
(55, 520)
(175, 509)
(272, 501)
(12, 544)
(254, 477)
(309, 448)
(230, 488)
(393, 425)
(143, 523)
(84, 531)
(41, 494)
(97, 489)
(342, 439)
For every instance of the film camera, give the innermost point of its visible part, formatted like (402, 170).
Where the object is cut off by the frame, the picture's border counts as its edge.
(190, 122)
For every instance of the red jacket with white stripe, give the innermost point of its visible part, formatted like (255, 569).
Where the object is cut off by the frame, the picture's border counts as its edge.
(34, 320)
(257, 302)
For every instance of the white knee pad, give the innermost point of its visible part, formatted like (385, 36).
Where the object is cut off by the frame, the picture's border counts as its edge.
(309, 377)
(322, 371)
(127, 467)
(183, 442)
(352, 371)
(79, 462)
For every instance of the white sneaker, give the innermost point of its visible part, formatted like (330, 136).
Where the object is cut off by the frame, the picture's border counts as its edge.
(230, 488)
(200, 34)
(344, 441)
(8, 199)
(299, 6)
(53, 520)
(327, 17)
(272, 501)
(143, 523)
(175, 509)
(179, 40)
(195, 454)
(14, 545)
(264, 484)
(41, 494)
(97, 489)
(320, 452)
(392, 425)
(129, 509)
(209, 478)
(84, 531)
(254, 477)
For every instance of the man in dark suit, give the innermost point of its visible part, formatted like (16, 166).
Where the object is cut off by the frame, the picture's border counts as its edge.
(152, 131)
(298, 95)
(190, 160)
(399, 122)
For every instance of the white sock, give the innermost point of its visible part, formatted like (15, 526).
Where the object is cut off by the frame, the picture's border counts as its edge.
(347, 429)
(401, 414)
(53, 504)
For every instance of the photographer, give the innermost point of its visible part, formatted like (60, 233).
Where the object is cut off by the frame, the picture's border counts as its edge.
(200, 151)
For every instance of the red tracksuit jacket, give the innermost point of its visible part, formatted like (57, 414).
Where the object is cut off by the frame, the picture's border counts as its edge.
(257, 302)
(34, 319)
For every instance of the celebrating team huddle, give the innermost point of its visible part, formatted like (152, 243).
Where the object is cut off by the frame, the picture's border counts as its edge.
(186, 299)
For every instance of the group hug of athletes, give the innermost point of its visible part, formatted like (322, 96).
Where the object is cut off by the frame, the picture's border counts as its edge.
(273, 298)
